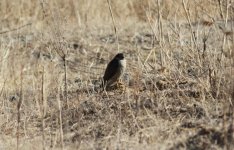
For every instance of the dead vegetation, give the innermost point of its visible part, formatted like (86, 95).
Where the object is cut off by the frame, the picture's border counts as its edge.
(179, 80)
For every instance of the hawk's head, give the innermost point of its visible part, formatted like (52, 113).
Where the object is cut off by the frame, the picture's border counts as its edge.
(119, 56)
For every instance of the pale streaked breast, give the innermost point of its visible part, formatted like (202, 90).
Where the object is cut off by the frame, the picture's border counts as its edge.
(123, 63)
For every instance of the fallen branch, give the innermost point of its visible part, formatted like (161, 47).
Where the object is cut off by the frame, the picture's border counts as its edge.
(15, 29)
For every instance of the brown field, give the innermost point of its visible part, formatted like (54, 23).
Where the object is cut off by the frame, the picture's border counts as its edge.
(179, 81)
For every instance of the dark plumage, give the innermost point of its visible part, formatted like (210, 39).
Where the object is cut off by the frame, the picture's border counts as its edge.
(114, 70)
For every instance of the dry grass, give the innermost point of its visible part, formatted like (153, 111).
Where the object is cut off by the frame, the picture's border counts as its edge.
(179, 80)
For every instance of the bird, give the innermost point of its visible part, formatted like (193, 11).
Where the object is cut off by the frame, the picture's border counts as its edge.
(114, 70)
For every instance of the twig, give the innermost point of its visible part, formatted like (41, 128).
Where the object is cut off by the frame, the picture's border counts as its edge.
(191, 29)
(204, 40)
(60, 119)
(65, 80)
(160, 30)
(43, 109)
(15, 29)
(220, 9)
(159, 23)
(114, 24)
(60, 50)
(3, 86)
(155, 35)
(19, 106)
